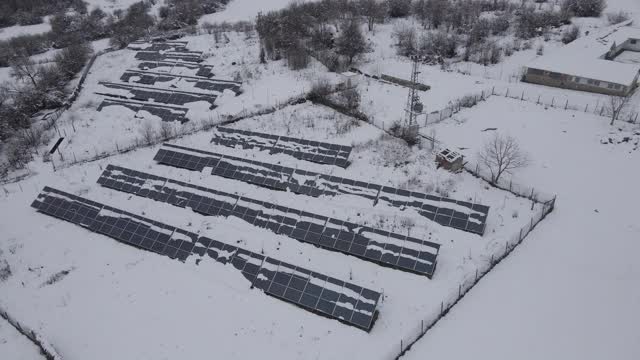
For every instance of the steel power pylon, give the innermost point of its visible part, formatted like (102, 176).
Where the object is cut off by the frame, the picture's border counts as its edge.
(414, 106)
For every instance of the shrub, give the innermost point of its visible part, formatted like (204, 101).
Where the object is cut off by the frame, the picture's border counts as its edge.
(570, 34)
(406, 39)
(398, 8)
(27, 18)
(616, 18)
(584, 8)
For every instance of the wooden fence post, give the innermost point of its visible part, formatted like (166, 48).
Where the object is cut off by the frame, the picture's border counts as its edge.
(586, 107)
(566, 104)
(538, 102)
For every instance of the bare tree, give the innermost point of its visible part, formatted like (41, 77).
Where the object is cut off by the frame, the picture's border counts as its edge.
(502, 155)
(351, 42)
(22, 67)
(617, 105)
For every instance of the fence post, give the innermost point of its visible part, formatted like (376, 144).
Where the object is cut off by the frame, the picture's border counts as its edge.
(459, 290)
(586, 108)
(507, 93)
(553, 100)
(601, 110)
(441, 307)
(493, 90)
(520, 237)
(522, 97)
(566, 104)
(400, 346)
(538, 102)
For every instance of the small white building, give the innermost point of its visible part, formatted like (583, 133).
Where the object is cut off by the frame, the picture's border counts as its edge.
(350, 79)
(606, 62)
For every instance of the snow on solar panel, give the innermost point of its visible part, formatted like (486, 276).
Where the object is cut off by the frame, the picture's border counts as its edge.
(142, 93)
(348, 303)
(314, 151)
(166, 113)
(448, 212)
(388, 249)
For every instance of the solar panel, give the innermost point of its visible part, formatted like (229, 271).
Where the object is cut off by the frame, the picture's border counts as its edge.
(314, 151)
(403, 252)
(158, 95)
(151, 78)
(468, 216)
(164, 112)
(349, 303)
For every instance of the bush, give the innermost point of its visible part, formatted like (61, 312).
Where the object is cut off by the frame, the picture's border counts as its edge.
(72, 59)
(584, 8)
(406, 39)
(438, 45)
(616, 18)
(27, 18)
(398, 8)
(570, 34)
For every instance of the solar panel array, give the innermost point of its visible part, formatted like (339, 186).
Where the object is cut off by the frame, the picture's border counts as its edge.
(166, 113)
(158, 95)
(460, 215)
(186, 56)
(151, 78)
(159, 46)
(314, 151)
(378, 246)
(321, 294)
(201, 70)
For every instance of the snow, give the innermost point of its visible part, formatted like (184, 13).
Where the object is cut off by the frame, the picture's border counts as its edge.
(244, 10)
(628, 57)
(17, 30)
(182, 306)
(581, 301)
(16, 346)
(591, 49)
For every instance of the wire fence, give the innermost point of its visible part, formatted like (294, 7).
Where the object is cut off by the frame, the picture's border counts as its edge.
(599, 107)
(45, 347)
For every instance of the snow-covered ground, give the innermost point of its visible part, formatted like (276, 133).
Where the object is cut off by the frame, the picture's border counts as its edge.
(17, 30)
(142, 300)
(16, 346)
(582, 300)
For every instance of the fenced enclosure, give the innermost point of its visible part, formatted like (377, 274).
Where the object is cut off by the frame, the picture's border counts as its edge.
(599, 108)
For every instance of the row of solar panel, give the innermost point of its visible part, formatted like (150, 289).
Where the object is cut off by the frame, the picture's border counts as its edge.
(314, 151)
(165, 113)
(149, 78)
(378, 246)
(460, 215)
(158, 95)
(205, 71)
(334, 298)
(158, 46)
(157, 56)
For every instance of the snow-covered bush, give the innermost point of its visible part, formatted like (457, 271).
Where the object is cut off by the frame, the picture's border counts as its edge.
(584, 8)
(616, 18)
(570, 34)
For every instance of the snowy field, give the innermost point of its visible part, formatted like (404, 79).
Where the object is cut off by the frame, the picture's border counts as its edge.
(17, 30)
(133, 289)
(582, 301)
(570, 291)
(16, 346)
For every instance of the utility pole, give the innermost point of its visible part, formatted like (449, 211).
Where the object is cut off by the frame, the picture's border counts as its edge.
(414, 106)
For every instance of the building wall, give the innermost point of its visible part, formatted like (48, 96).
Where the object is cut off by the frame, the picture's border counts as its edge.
(571, 82)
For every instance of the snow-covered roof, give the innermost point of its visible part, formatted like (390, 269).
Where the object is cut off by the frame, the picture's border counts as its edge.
(349, 74)
(584, 57)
